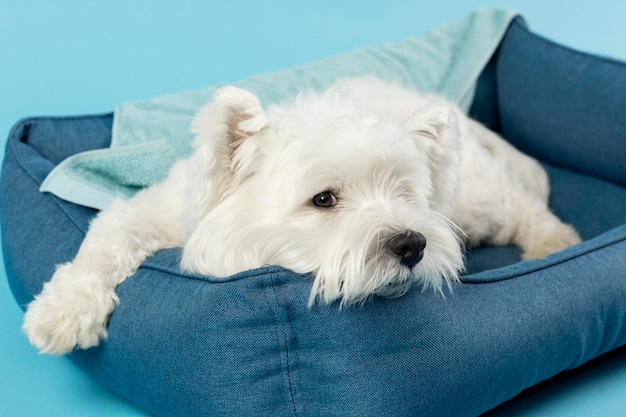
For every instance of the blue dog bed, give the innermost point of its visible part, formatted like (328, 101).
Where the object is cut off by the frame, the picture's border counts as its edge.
(182, 345)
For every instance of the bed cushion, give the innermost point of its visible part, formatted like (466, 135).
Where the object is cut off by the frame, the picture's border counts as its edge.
(182, 344)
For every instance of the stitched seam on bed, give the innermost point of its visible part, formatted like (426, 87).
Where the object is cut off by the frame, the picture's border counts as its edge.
(20, 162)
(548, 265)
(252, 273)
(298, 376)
(30, 120)
(281, 341)
(604, 59)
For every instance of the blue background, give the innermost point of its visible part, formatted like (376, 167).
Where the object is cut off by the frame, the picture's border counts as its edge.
(79, 57)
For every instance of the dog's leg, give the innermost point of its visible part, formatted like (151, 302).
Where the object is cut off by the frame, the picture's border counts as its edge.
(537, 231)
(517, 216)
(495, 205)
(523, 214)
(74, 306)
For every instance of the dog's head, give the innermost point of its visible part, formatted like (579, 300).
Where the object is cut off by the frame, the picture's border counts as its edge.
(327, 187)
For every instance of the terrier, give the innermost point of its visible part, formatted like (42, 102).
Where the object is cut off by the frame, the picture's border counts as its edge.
(367, 186)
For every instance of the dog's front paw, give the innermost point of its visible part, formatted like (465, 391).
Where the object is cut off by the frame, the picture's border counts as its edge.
(69, 313)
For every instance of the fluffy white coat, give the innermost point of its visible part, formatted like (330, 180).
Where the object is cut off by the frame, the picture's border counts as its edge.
(368, 186)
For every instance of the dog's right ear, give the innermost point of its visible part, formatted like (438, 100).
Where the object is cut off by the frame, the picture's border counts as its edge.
(234, 115)
(221, 127)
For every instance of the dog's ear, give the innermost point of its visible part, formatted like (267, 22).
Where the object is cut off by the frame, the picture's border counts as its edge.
(221, 127)
(436, 130)
(233, 116)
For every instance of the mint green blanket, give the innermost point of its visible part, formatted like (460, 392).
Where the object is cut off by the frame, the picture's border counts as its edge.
(149, 135)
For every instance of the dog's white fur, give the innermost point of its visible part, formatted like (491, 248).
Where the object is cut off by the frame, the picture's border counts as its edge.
(389, 163)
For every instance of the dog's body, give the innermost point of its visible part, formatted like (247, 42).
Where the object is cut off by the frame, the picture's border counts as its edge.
(367, 186)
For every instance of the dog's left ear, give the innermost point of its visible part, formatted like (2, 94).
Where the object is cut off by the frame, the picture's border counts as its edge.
(436, 130)
(233, 117)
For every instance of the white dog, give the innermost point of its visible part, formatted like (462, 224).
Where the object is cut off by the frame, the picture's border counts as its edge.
(368, 186)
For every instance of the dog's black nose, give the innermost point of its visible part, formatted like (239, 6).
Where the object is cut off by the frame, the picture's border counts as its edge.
(409, 247)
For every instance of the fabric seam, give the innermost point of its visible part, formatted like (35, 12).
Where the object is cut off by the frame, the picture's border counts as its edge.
(573, 256)
(605, 59)
(295, 355)
(278, 302)
(20, 161)
(282, 342)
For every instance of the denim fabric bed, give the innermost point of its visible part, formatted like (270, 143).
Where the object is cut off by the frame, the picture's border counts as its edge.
(182, 345)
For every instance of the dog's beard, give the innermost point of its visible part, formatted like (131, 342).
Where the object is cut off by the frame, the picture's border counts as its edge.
(356, 269)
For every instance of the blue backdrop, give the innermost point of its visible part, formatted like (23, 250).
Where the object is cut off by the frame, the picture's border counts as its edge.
(77, 57)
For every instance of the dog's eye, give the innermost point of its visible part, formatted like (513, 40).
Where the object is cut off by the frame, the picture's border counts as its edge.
(325, 199)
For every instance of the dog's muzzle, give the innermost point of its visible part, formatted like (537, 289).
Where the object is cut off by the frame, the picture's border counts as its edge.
(408, 246)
